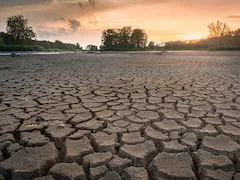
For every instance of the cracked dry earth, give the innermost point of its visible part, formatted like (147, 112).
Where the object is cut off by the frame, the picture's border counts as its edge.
(120, 116)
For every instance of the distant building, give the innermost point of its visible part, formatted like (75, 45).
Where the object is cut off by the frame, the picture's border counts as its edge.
(91, 48)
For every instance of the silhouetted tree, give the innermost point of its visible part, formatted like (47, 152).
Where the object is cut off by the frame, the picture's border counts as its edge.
(17, 26)
(125, 38)
(92, 48)
(59, 44)
(1, 41)
(110, 39)
(53, 45)
(8, 39)
(151, 45)
(19, 33)
(237, 32)
(139, 38)
(45, 44)
(78, 46)
(218, 29)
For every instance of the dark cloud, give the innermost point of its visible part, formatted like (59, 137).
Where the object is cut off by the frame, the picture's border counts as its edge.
(81, 5)
(92, 2)
(10, 3)
(93, 20)
(233, 18)
(74, 24)
(59, 19)
(84, 4)
(45, 32)
(102, 5)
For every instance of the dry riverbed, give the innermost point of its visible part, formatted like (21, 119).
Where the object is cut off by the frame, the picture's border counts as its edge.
(110, 116)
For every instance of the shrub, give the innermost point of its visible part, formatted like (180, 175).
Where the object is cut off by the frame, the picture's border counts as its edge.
(1, 41)
(21, 48)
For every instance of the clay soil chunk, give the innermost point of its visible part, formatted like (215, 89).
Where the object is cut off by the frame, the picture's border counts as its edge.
(30, 162)
(118, 164)
(76, 149)
(59, 134)
(172, 166)
(96, 159)
(216, 174)
(221, 145)
(104, 142)
(206, 160)
(34, 138)
(135, 173)
(68, 171)
(141, 154)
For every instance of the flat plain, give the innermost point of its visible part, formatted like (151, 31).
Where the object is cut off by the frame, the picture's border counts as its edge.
(130, 116)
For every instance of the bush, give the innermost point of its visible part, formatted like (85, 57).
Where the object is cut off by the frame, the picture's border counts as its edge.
(21, 48)
(53, 50)
(1, 41)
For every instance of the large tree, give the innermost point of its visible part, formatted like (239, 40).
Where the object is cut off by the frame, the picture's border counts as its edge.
(1, 41)
(60, 44)
(218, 29)
(151, 45)
(78, 46)
(17, 26)
(7, 39)
(45, 44)
(109, 39)
(237, 32)
(139, 38)
(125, 37)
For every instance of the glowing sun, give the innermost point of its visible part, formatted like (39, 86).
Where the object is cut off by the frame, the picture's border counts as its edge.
(193, 36)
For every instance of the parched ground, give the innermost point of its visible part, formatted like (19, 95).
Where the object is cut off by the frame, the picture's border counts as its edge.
(130, 116)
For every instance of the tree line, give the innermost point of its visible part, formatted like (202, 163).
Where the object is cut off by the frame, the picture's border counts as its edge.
(20, 36)
(221, 37)
(123, 39)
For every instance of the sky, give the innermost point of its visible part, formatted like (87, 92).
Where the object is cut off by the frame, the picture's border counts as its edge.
(83, 21)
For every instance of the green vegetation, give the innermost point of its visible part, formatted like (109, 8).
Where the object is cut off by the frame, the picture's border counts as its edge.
(1, 41)
(17, 27)
(220, 38)
(21, 48)
(92, 48)
(20, 37)
(228, 42)
(123, 39)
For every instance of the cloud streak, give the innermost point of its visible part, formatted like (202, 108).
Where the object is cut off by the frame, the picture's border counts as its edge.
(12, 3)
(44, 32)
(233, 17)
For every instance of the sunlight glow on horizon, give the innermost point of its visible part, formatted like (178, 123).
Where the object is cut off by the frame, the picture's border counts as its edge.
(193, 36)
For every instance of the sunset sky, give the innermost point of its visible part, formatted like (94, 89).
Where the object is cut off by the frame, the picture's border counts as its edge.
(83, 20)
